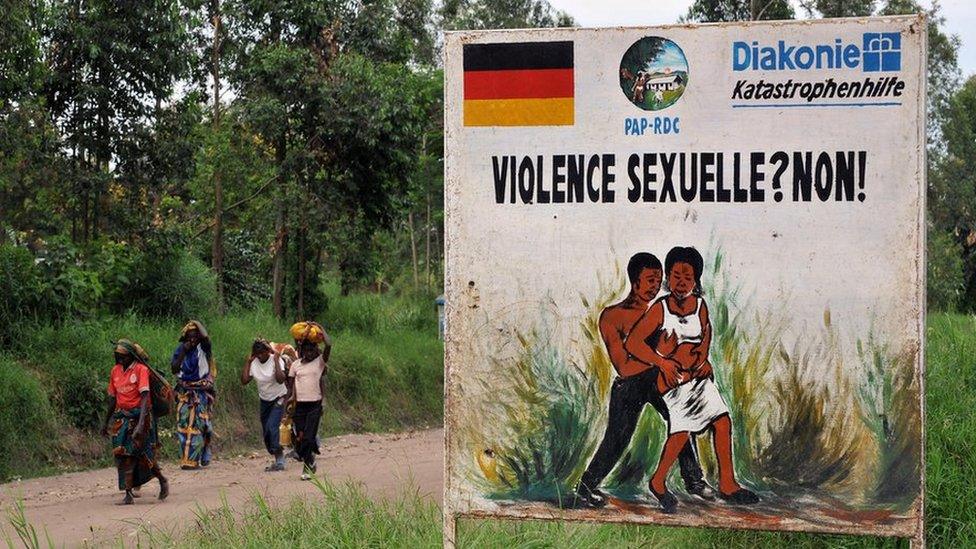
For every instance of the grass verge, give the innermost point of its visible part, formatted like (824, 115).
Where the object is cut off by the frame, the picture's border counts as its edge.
(386, 373)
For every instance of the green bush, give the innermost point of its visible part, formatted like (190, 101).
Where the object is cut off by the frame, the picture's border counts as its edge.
(172, 284)
(389, 380)
(114, 262)
(246, 267)
(21, 288)
(378, 313)
(71, 289)
(27, 420)
(945, 278)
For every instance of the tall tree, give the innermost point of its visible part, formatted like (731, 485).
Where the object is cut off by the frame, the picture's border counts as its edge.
(110, 65)
(288, 86)
(501, 14)
(709, 11)
(838, 8)
(29, 170)
(942, 65)
(952, 186)
(217, 246)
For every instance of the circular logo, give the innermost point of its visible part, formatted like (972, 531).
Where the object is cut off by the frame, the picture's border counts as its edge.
(133, 378)
(653, 73)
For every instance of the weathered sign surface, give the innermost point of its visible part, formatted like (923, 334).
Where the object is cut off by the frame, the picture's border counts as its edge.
(685, 275)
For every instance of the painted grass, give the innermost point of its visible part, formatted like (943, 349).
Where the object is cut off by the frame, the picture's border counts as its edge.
(386, 373)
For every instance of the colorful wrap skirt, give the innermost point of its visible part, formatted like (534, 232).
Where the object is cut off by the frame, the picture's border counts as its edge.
(135, 459)
(194, 402)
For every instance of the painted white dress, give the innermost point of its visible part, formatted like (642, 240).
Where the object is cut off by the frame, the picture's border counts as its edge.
(696, 403)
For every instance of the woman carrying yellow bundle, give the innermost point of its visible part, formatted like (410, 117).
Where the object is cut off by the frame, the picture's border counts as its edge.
(307, 387)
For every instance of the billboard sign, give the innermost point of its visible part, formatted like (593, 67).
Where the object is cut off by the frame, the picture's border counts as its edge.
(685, 274)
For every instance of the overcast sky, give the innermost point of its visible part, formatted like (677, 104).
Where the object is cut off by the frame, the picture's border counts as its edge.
(960, 18)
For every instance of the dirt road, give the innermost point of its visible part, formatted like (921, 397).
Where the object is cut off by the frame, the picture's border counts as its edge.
(80, 508)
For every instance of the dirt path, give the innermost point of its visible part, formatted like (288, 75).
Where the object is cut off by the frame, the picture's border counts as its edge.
(79, 508)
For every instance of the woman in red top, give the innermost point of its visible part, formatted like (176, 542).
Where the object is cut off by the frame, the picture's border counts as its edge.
(130, 424)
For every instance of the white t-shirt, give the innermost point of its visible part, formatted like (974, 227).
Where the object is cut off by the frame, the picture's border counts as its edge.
(307, 375)
(263, 374)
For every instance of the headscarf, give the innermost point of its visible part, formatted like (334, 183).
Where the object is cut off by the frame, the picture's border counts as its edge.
(261, 343)
(131, 348)
(191, 326)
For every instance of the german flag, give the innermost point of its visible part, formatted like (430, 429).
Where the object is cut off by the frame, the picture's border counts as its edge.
(518, 84)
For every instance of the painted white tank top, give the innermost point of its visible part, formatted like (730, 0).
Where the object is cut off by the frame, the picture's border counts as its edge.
(687, 328)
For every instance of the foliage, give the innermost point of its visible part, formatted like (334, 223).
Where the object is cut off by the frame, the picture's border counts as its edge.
(172, 283)
(21, 288)
(942, 67)
(945, 277)
(709, 11)
(245, 270)
(27, 420)
(501, 14)
(838, 8)
(72, 290)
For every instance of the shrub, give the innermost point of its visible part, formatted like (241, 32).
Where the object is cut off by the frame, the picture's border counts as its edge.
(114, 262)
(71, 289)
(246, 266)
(27, 421)
(945, 278)
(172, 284)
(21, 288)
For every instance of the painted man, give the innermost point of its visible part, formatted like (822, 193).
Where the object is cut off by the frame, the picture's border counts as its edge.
(635, 386)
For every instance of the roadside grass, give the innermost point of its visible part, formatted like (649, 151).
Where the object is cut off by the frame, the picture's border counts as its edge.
(385, 374)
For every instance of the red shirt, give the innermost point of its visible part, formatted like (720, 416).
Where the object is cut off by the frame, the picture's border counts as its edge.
(127, 385)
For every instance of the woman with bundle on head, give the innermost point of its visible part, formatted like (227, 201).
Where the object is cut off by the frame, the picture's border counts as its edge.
(306, 388)
(265, 366)
(677, 327)
(195, 370)
(130, 421)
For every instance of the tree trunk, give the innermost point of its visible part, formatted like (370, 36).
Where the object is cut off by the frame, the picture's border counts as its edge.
(427, 228)
(281, 233)
(413, 251)
(302, 235)
(217, 247)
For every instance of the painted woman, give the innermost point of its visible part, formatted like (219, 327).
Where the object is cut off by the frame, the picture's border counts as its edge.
(677, 326)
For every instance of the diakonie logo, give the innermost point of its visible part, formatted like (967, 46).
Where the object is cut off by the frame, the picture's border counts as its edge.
(653, 73)
(879, 52)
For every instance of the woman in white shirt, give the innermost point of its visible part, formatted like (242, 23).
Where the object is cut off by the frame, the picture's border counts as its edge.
(267, 371)
(680, 324)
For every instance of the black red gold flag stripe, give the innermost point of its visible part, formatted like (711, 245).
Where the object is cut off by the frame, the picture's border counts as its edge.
(519, 84)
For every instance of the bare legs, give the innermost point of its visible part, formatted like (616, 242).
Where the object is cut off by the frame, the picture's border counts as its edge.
(729, 489)
(722, 439)
(672, 447)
